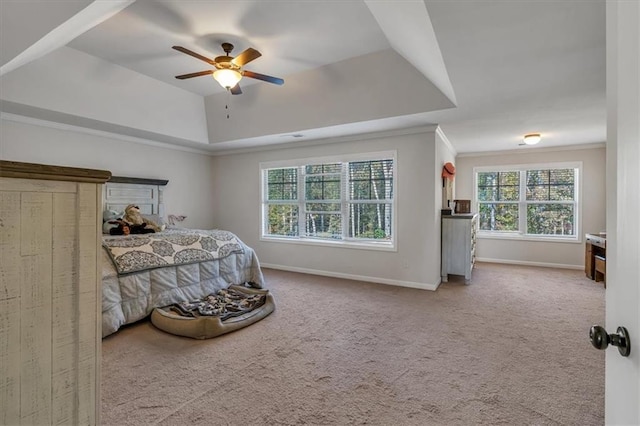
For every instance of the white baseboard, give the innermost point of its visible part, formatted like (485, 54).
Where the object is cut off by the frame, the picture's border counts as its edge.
(526, 263)
(410, 284)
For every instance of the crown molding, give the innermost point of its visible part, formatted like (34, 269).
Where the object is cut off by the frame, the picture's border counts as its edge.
(211, 148)
(446, 141)
(535, 150)
(330, 140)
(7, 116)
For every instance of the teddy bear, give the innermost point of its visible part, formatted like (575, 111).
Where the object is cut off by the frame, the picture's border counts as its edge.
(142, 225)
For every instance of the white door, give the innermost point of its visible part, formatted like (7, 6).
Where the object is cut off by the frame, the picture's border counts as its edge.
(622, 388)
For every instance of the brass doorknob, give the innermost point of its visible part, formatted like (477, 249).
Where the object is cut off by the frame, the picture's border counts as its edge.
(600, 339)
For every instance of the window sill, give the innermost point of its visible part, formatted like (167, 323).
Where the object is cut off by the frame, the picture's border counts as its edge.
(377, 246)
(521, 237)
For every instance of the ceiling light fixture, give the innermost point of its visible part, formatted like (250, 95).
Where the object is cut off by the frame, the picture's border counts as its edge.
(228, 78)
(532, 138)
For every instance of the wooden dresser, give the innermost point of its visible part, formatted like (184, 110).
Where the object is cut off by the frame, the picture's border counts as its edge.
(458, 245)
(595, 247)
(50, 297)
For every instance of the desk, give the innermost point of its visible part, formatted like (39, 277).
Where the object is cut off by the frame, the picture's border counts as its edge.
(595, 246)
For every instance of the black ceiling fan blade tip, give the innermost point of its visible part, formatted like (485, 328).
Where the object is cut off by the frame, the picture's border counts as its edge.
(263, 77)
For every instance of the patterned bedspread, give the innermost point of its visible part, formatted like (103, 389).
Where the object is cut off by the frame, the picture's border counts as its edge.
(129, 297)
(135, 253)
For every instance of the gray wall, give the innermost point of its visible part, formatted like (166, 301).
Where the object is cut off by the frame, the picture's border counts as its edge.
(564, 254)
(416, 262)
(189, 191)
(224, 192)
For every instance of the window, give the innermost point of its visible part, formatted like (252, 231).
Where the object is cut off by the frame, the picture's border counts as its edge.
(538, 201)
(282, 211)
(331, 200)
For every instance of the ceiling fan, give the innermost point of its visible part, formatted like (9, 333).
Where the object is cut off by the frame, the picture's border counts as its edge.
(228, 70)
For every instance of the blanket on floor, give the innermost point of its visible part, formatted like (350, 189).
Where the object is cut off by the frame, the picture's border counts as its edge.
(225, 303)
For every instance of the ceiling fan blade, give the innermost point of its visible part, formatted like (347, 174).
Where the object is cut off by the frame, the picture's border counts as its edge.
(194, 54)
(267, 78)
(194, 74)
(245, 57)
(236, 90)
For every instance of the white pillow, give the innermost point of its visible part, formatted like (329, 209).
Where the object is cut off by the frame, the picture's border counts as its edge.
(156, 219)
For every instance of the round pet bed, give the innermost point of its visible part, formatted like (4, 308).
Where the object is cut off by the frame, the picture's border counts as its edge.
(206, 326)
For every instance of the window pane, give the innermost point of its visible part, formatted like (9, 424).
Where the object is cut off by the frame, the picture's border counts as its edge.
(286, 191)
(487, 193)
(551, 185)
(509, 178)
(558, 176)
(282, 175)
(498, 186)
(509, 193)
(322, 168)
(322, 187)
(561, 193)
(487, 178)
(371, 180)
(537, 177)
(323, 207)
(537, 193)
(550, 219)
(282, 219)
(282, 184)
(370, 221)
(323, 225)
(360, 190)
(498, 217)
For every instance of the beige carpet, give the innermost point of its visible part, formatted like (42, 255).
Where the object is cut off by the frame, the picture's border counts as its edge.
(511, 348)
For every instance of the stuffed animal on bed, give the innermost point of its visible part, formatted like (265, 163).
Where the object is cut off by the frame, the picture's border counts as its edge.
(110, 221)
(124, 228)
(119, 227)
(133, 217)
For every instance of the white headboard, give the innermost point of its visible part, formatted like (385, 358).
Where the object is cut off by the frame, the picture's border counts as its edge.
(121, 191)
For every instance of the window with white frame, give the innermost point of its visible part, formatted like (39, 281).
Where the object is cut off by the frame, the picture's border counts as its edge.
(536, 201)
(348, 200)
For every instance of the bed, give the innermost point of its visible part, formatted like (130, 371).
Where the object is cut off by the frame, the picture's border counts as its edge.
(143, 272)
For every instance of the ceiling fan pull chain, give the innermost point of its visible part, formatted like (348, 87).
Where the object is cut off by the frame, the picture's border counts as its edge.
(227, 105)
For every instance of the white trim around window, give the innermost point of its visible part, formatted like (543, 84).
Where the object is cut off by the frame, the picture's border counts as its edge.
(522, 203)
(339, 235)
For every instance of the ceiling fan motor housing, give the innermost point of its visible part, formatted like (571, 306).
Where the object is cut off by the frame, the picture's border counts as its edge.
(227, 47)
(224, 62)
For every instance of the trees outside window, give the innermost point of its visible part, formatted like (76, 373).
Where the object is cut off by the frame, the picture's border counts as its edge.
(529, 201)
(282, 210)
(370, 196)
(331, 200)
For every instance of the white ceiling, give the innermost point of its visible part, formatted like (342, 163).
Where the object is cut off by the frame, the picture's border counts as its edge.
(511, 67)
(291, 36)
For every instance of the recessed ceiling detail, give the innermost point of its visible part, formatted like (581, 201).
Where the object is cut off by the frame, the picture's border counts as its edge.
(483, 70)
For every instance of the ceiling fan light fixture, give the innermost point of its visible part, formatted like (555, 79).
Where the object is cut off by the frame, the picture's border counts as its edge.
(532, 138)
(227, 78)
